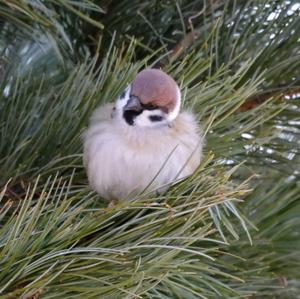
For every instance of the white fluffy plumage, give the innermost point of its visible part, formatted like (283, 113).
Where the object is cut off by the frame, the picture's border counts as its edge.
(124, 157)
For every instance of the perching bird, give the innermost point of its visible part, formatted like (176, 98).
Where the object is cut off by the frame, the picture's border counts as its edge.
(142, 142)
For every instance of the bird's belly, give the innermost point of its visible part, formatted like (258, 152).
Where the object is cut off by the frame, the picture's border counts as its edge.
(117, 170)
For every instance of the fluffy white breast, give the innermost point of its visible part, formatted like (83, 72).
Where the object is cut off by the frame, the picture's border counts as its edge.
(124, 160)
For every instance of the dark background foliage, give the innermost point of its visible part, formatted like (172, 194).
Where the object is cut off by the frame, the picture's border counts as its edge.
(229, 231)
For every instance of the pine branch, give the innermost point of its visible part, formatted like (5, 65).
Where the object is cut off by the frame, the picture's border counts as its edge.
(58, 240)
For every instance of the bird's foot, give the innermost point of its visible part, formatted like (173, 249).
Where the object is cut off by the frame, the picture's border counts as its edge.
(112, 204)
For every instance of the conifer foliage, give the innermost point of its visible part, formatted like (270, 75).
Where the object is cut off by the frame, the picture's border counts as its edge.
(231, 230)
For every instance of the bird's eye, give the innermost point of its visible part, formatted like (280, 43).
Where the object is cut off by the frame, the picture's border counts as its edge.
(155, 118)
(149, 106)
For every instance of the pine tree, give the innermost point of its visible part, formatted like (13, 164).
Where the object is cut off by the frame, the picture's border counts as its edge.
(231, 230)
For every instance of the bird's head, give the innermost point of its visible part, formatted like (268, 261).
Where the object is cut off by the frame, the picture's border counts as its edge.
(151, 100)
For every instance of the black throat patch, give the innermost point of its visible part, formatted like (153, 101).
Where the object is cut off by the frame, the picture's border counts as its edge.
(130, 115)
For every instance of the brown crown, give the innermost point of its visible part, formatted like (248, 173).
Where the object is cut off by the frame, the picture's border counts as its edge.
(153, 86)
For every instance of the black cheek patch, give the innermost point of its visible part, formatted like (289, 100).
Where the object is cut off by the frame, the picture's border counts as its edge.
(155, 118)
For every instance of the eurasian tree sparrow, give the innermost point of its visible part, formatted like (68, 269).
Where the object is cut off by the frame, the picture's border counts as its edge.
(142, 142)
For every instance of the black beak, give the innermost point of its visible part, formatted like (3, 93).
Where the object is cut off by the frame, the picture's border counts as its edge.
(133, 104)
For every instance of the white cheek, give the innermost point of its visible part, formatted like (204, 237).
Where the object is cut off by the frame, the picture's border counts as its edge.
(143, 120)
(172, 115)
(121, 102)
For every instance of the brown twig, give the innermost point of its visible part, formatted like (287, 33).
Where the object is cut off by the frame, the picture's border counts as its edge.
(195, 16)
(183, 44)
(259, 99)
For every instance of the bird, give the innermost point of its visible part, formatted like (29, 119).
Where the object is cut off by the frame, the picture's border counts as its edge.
(142, 142)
